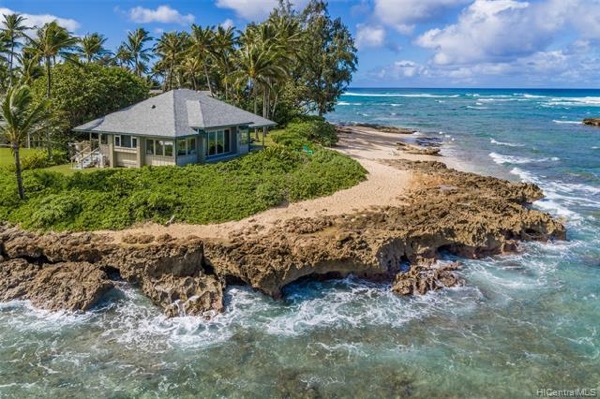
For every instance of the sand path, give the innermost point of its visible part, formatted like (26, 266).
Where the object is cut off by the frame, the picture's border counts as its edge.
(385, 185)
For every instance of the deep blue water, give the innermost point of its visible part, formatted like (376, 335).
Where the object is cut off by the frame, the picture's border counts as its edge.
(523, 323)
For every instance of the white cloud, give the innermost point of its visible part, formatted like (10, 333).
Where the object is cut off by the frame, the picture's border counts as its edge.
(254, 10)
(404, 16)
(40, 19)
(496, 31)
(369, 36)
(228, 23)
(402, 69)
(163, 14)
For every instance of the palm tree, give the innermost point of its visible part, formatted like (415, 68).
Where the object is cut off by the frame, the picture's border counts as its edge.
(224, 44)
(191, 68)
(13, 30)
(260, 62)
(170, 48)
(92, 47)
(51, 41)
(30, 68)
(139, 54)
(123, 57)
(21, 119)
(201, 47)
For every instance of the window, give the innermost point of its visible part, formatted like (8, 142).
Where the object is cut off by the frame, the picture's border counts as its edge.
(159, 148)
(181, 147)
(149, 147)
(244, 136)
(125, 141)
(218, 142)
(103, 139)
(191, 147)
(186, 147)
(168, 148)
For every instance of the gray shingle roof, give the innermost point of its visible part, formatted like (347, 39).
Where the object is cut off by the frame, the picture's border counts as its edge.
(174, 114)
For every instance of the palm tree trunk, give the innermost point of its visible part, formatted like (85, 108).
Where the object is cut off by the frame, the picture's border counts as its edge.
(255, 95)
(18, 171)
(265, 111)
(208, 80)
(10, 63)
(48, 95)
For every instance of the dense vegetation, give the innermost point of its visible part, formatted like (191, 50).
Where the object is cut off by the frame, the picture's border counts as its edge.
(82, 93)
(118, 198)
(294, 64)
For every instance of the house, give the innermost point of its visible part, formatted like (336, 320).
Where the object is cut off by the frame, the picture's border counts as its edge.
(178, 127)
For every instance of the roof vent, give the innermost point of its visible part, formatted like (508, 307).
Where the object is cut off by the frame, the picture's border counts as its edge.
(153, 106)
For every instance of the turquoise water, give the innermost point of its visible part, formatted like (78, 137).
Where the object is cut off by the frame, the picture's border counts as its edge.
(523, 322)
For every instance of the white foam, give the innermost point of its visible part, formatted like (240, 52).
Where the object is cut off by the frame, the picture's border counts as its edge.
(524, 175)
(477, 108)
(567, 122)
(501, 159)
(573, 102)
(343, 103)
(533, 96)
(415, 95)
(507, 144)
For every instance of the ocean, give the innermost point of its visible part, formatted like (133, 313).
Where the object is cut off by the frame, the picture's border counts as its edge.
(525, 324)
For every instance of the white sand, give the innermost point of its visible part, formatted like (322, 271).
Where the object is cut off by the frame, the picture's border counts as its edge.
(385, 185)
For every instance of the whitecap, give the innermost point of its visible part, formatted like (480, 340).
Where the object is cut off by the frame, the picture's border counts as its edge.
(567, 122)
(507, 144)
(410, 95)
(532, 96)
(511, 159)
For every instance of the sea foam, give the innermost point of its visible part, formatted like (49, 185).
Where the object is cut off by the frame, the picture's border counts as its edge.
(510, 159)
(505, 143)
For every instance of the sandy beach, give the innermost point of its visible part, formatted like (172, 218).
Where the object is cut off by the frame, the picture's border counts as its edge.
(385, 185)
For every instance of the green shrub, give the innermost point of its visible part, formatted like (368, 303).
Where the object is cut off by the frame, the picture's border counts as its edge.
(54, 210)
(211, 193)
(304, 130)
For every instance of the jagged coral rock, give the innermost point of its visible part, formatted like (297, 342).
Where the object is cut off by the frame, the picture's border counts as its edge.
(447, 211)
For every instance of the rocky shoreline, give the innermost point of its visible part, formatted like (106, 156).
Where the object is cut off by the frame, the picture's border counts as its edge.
(447, 211)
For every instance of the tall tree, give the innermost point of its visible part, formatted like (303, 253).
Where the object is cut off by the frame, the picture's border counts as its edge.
(223, 47)
(13, 29)
(260, 61)
(29, 68)
(201, 47)
(51, 41)
(21, 119)
(136, 47)
(329, 57)
(123, 57)
(171, 48)
(91, 47)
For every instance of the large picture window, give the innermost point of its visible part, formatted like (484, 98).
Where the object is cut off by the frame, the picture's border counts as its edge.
(159, 148)
(186, 147)
(125, 141)
(218, 142)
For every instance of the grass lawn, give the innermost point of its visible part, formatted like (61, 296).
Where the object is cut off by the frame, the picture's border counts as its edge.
(6, 156)
(7, 160)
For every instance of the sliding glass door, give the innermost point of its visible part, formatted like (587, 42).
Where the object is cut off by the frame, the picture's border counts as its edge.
(218, 143)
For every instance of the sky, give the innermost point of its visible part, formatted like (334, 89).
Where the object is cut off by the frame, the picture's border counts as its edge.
(401, 43)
